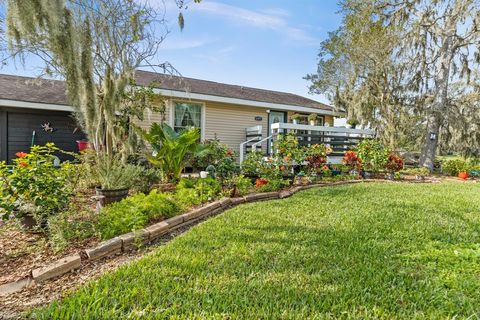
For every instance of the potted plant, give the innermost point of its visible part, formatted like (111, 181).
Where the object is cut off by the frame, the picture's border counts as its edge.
(394, 164)
(112, 177)
(352, 123)
(463, 175)
(312, 118)
(295, 117)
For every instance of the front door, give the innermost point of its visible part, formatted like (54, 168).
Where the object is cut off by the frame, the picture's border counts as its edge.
(274, 117)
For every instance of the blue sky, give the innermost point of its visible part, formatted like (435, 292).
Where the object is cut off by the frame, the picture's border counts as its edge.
(267, 44)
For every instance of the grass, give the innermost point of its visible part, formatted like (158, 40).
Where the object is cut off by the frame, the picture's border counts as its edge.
(361, 251)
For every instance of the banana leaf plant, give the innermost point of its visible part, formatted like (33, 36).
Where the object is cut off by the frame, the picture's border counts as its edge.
(172, 150)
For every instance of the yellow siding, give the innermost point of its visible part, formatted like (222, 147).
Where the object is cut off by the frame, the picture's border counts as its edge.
(151, 117)
(228, 122)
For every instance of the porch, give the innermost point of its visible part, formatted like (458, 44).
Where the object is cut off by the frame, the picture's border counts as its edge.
(339, 139)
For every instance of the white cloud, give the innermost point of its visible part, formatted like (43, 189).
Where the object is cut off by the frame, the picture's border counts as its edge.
(273, 19)
(219, 56)
(178, 43)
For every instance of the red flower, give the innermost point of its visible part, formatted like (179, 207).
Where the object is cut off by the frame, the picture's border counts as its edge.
(21, 154)
(260, 182)
(230, 153)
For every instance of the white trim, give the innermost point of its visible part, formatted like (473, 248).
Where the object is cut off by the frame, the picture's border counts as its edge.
(34, 105)
(244, 102)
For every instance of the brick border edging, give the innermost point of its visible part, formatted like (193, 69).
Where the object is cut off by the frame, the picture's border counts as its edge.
(149, 234)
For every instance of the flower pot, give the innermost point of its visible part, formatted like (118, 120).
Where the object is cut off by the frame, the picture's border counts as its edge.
(294, 121)
(110, 196)
(312, 122)
(463, 175)
(366, 174)
(82, 145)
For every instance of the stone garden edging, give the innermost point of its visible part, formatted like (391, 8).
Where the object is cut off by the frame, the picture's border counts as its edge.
(148, 235)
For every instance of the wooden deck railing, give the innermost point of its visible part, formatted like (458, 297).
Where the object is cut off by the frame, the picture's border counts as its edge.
(338, 138)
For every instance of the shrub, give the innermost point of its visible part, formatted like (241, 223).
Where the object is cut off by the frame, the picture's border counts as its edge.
(238, 185)
(453, 167)
(146, 179)
(273, 185)
(394, 163)
(373, 154)
(288, 149)
(421, 172)
(71, 225)
(214, 152)
(227, 167)
(193, 192)
(34, 186)
(352, 161)
(109, 171)
(134, 213)
(253, 164)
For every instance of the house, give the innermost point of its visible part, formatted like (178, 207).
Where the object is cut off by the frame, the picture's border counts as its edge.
(36, 111)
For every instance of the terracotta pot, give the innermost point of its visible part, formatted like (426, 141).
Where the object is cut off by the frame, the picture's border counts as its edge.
(463, 175)
(111, 196)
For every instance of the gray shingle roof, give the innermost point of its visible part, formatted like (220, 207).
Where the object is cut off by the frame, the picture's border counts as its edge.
(53, 91)
(32, 90)
(175, 83)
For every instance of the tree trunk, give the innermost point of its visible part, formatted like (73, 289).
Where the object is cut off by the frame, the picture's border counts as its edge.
(439, 106)
(430, 145)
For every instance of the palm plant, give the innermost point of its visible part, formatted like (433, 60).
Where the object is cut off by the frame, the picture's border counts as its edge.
(171, 150)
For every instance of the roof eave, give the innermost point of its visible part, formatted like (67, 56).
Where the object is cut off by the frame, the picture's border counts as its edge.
(244, 102)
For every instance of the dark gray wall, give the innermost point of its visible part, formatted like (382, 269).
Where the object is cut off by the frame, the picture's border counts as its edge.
(17, 127)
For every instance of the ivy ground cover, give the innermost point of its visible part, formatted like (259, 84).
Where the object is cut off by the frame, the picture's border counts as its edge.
(383, 250)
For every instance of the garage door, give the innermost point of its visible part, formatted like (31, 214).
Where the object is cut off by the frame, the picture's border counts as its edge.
(39, 128)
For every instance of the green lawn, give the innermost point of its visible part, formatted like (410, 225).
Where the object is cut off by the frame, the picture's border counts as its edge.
(359, 251)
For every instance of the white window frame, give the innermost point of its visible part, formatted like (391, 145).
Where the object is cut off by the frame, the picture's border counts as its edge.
(171, 120)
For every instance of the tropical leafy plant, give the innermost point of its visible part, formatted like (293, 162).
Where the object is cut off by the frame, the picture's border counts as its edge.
(171, 149)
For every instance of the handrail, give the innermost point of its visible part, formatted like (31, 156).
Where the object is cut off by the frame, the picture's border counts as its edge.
(242, 151)
(291, 126)
(254, 146)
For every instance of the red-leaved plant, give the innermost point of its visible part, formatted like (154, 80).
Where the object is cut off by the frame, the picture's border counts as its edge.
(351, 160)
(394, 163)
